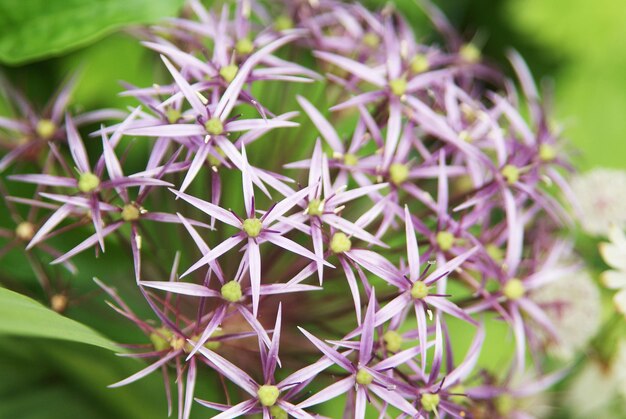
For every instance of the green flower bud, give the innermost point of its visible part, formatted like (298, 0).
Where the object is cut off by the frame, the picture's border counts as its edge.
(228, 72)
(340, 243)
(430, 401)
(316, 207)
(350, 159)
(252, 227)
(214, 126)
(445, 240)
(511, 173)
(470, 53)
(244, 46)
(398, 173)
(160, 338)
(419, 290)
(130, 212)
(398, 86)
(393, 340)
(45, 129)
(283, 23)
(514, 289)
(25, 231)
(268, 395)
(88, 182)
(231, 291)
(547, 152)
(420, 63)
(363, 377)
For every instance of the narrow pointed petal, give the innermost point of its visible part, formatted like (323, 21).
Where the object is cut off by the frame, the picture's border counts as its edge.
(144, 372)
(210, 209)
(367, 333)
(330, 392)
(323, 126)
(190, 94)
(232, 372)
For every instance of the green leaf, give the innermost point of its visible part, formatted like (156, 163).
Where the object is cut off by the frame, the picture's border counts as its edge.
(22, 316)
(36, 29)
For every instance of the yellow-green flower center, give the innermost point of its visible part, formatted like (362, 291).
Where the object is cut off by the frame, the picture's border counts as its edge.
(283, 23)
(350, 159)
(420, 63)
(268, 395)
(160, 338)
(445, 240)
(340, 243)
(398, 173)
(130, 212)
(495, 252)
(25, 231)
(363, 377)
(252, 227)
(88, 182)
(231, 291)
(514, 289)
(393, 340)
(430, 401)
(45, 129)
(228, 72)
(316, 207)
(277, 412)
(173, 115)
(419, 290)
(244, 46)
(214, 126)
(398, 86)
(547, 152)
(470, 53)
(371, 40)
(511, 173)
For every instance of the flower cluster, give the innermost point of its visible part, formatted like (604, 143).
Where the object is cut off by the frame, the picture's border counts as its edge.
(346, 255)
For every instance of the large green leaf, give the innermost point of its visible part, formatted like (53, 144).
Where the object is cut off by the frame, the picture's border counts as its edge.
(22, 316)
(40, 28)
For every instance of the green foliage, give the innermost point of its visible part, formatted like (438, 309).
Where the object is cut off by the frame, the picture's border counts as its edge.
(35, 29)
(22, 316)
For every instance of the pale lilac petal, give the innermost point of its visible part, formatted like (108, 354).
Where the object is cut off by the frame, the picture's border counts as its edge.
(331, 353)
(172, 130)
(190, 94)
(210, 209)
(76, 146)
(412, 250)
(183, 288)
(330, 392)
(196, 164)
(285, 205)
(323, 126)
(255, 124)
(360, 403)
(55, 219)
(88, 242)
(47, 180)
(367, 333)
(254, 260)
(394, 126)
(353, 67)
(144, 372)
(216, 252)
(234, 373)
(394, 399)
(272, 354)
(238, 410)
(292, 246)
(449, 307)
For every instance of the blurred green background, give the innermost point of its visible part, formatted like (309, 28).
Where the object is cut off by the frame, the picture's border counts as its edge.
(575, 48)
